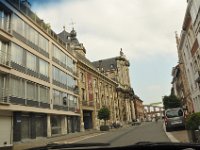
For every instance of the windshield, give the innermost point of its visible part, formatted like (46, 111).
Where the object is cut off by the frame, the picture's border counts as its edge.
(174, 113)
(107, 72)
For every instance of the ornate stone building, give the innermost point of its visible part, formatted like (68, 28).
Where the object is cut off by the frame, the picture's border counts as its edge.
(117, 69)
(95, 88)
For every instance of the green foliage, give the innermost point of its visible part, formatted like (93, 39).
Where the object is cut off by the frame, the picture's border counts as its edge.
(193, 121)
(171, 102)
(104, 113)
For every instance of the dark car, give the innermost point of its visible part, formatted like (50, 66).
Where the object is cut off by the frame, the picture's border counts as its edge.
(174, 117)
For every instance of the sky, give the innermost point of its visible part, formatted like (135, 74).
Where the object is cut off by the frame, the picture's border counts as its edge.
(144, 29)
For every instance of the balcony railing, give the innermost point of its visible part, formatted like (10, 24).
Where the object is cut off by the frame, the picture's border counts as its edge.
(88, 103)
(4, 96)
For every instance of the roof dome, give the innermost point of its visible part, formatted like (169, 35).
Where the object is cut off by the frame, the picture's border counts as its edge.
(73, 33)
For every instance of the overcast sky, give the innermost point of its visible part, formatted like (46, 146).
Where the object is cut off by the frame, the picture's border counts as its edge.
(144, 29)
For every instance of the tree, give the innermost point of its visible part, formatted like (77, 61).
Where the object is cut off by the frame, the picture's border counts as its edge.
(171, 101)
(104, 113)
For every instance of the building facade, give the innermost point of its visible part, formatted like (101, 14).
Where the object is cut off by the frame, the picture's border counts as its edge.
(139, 108)
(117, 69)
(96, 88)
(189, 55)
(38, 78)
(48, 86)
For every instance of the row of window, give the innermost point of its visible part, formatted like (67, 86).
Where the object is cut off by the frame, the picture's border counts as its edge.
(29, 90)
(24, 58)
(63, 78)
(64, 99)
(19, 26)
(36, 38)
(62, 57)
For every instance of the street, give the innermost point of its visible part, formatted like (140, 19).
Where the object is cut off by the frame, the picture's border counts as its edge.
(147, 131)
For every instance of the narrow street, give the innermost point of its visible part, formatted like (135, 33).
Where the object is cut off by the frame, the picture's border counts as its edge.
(148, 131)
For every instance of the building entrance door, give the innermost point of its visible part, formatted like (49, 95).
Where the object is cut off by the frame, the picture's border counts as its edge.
(87, 119)
(5, 131)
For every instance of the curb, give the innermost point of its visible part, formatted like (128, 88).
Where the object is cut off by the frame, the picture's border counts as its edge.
(170, 136)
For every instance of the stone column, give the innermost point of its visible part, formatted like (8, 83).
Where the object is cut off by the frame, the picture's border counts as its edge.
(82, 129)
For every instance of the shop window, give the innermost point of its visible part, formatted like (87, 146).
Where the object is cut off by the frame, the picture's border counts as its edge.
(26, 127)
(55, 124)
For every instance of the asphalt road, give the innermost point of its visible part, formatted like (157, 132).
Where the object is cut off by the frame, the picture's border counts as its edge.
(150, 131)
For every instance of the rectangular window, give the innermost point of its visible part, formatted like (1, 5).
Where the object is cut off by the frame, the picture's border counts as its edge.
(26, 127)
(44, 67)
(17, 54)
(15, 87)
(44, 94)
(31, 61)
(56, 74)
(4, 20)
(56, 97)
(40, 126)
(31, 91)
(3, 52)
(70, 63)
(43, 42)
(18, 25)
(71, 101)
(62, 77)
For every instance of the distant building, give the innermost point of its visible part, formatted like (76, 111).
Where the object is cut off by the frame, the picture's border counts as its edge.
(139, 108)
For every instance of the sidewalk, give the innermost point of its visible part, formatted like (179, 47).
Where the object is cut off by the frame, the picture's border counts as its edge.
(68, 138)
(43, 141)
(177, 136)
(181, 136)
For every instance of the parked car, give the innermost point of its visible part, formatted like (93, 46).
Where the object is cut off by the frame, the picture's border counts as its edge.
(174, 117)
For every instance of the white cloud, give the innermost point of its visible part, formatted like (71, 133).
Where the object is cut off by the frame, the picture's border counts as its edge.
(143, 28)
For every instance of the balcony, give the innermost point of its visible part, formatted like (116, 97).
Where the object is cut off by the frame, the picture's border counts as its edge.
(88, 103)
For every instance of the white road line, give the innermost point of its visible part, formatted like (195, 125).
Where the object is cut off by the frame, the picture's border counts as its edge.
(82, 138)
(170, 136)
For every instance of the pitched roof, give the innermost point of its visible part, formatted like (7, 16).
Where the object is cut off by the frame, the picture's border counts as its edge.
(84, 60)
(106, 64)
(64, 35)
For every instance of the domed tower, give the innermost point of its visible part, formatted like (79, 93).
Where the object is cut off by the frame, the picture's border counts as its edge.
(72, 41)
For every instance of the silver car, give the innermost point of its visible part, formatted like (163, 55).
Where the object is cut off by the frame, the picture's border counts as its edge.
(174, 117)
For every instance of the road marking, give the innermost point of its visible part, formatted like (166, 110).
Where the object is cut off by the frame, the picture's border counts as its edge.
(170, 136)
(81, 138)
